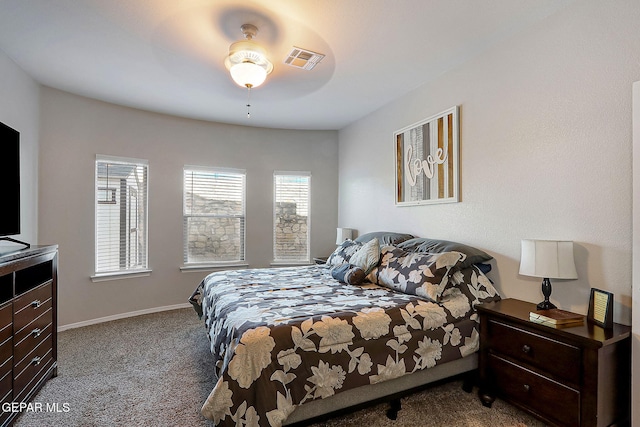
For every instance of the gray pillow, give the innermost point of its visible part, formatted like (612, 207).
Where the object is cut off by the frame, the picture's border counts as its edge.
(343, 253)
(384, 237)
(347, 273)
(434, 246)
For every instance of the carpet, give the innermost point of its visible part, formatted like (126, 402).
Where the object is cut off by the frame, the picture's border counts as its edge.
(155, 370)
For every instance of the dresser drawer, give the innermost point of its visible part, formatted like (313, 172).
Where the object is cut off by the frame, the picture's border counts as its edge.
(34, 329)
(548, 398)
(6, 317)
(29, 369)
(553, 357)
(6, 378)
(22, 349)
(6, 396)
(31, 305)
(6, 351)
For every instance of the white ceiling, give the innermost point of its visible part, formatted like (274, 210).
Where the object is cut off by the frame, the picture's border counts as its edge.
(168, 56)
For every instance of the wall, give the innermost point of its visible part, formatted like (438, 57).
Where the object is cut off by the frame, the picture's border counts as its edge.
(635, 325)
(545, 139)
(19, 109)
(75, 129)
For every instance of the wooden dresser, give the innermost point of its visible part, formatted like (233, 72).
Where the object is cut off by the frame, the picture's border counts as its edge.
(573, 376)
(28, 325)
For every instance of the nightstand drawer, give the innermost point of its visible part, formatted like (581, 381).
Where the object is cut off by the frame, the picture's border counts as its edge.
(542, 395)
(554, 357)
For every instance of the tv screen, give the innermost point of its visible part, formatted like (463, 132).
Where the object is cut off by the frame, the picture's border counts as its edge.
(9, 180)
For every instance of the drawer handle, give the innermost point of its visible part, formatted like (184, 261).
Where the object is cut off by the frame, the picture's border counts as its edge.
(526, 349)
(36, 361)
(36, 303)
(527, 388)
(36, 332)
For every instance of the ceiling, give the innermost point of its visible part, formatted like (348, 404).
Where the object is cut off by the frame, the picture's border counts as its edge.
(168, 56)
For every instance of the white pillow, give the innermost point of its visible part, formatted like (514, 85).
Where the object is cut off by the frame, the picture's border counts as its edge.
(368, 256)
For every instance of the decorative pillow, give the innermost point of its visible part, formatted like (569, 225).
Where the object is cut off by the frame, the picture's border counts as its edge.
(424, 275)
(343, 253)
(368, 256)
(384, 237)
(433, 246)
(348, 273)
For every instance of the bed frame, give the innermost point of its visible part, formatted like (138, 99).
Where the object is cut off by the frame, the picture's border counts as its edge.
(389, 390)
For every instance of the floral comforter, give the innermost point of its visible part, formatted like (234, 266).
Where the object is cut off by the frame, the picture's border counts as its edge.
(285, 336)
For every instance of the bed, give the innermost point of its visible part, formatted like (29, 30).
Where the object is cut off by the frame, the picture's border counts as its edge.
(293, 343)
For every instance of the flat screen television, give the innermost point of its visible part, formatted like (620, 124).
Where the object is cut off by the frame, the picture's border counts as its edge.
(9, 182)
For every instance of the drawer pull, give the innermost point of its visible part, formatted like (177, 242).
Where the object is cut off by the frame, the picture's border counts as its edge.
(526, 349)
(36, 333)
(36, 361)
(36, 303)
(526, 388)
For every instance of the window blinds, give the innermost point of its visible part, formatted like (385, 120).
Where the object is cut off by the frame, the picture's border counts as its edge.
(214, 215)
(291, 216)
(120, 215)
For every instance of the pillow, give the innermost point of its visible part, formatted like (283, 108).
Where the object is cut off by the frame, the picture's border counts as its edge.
(384, 237)
(423, 245)
(423, 275)
(347, 273)
(343, 253)
(368, 256)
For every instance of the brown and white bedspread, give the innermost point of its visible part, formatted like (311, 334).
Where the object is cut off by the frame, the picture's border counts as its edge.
(284, 336)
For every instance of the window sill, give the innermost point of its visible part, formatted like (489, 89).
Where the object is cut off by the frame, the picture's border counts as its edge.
(289, 263)
(103, 277)
(188, 268)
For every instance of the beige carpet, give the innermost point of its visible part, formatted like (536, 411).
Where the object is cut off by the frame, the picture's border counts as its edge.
(154, 370)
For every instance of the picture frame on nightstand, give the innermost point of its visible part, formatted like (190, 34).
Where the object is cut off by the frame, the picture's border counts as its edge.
(601, 308)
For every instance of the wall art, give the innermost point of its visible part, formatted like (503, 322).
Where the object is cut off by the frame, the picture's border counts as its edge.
(427, 160)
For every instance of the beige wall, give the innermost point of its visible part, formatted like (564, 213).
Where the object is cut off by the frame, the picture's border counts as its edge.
(545, 152)
(635, 325)
(19, 109)
(75, 129)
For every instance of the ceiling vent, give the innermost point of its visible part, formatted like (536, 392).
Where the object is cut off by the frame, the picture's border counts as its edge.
(302, 58)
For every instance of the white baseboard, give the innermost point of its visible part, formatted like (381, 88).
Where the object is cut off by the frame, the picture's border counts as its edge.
(122, 316)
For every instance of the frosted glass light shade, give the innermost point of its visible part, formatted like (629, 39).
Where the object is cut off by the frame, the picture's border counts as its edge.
(248, 74)
(343, 234)
(548, 259)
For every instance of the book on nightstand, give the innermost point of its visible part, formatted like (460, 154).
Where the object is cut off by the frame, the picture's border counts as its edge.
(556, 317)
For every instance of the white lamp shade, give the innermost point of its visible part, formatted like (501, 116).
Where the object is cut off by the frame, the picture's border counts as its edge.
(248, 74)
(343, 234)
(550, 259)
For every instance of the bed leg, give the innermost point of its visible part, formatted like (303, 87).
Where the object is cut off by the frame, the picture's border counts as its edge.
(394, 407)
(468, 381)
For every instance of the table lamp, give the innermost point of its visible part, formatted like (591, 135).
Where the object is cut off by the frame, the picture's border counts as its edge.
(343, 234)
(549, 259)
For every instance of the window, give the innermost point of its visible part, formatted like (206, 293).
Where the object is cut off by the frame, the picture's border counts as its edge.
(121, 215)
(214, 215)
(291, 216)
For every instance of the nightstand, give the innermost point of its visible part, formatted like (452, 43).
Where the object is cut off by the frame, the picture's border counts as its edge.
(573, 376)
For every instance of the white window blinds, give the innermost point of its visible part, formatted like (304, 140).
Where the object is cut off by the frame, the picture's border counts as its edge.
(121, 215)
(291, 216)
(214, 215)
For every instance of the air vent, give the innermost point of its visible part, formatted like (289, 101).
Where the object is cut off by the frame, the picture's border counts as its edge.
(302, 58)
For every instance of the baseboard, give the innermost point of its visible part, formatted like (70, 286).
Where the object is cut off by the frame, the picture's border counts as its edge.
(122, 316)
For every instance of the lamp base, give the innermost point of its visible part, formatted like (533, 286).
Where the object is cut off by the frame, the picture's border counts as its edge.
(545, 305)
(546, 291)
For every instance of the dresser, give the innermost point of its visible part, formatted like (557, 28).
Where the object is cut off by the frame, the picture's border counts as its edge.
(28, 319)
(571, 376)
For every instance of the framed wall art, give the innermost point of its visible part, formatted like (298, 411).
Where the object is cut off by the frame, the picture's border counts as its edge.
(427, 160)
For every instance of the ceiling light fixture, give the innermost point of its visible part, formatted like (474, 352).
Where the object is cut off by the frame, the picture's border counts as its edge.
(247, 62)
